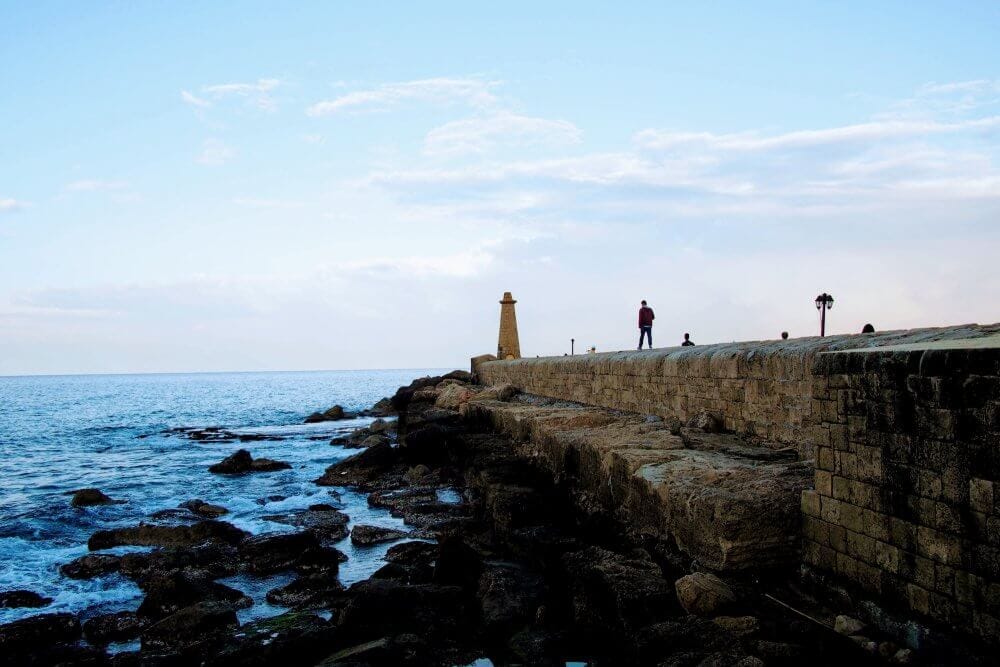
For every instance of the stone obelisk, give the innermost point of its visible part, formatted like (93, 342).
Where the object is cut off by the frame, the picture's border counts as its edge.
(508, 346)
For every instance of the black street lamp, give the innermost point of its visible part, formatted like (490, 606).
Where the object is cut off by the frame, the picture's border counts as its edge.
(572, 344)
(824, 302)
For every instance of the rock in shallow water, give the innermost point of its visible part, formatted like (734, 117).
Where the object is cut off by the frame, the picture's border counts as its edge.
(36, 632)
(91, 565)
(241, 462)
(89, 497)
(330, 525)
(168, 594)
(196, 623)
(368, 535)
(148, 535)
(117, 627)
(22, 598)
(201, 508)
(333, 414)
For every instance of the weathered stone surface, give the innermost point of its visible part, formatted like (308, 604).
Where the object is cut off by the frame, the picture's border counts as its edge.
(846, 625)
(116, 627)
(704, 594)
(149, 535)
(453, 396)
(192, 624)
(201, 508)
(37, 632)
(326, 524)
(170, 593)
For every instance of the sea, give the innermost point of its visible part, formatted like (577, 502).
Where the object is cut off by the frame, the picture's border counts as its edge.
(114, 432)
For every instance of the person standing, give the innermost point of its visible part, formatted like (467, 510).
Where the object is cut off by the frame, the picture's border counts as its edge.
(646, 318)
(687, 341)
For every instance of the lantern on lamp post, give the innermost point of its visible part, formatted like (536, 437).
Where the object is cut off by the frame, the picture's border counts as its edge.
(824, 302)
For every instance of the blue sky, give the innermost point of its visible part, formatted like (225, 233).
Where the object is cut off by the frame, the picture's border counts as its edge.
(240, 186)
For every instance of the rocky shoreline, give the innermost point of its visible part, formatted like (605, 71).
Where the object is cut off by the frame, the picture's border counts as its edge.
(520, 568)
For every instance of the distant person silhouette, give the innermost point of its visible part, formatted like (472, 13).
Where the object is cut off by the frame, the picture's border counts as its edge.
(687, 340)
(868, 328)
(646, 318)
(784, 335)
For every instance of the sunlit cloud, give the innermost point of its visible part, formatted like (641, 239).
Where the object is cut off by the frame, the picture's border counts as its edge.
(444, 91)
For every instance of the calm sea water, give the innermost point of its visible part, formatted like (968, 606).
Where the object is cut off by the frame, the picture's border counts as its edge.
(67, 432)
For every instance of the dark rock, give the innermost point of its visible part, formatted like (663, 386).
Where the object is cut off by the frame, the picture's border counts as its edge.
(457, 564)
(214, 559)
(37, 632)
(149, 535)
(399, 501)
(461, 376)
(170, 593)
(412, 553)
(201, 508)
(509, 597)
(535, 646)
(333, 414)
(368, 535)
(91, 565)
(309, 592)
(611, 590)
(108, 628)
(88, 497)
(22, 598)
(365, 467)
(195, 623)
(375, 652)
(274, 552)
(241, 462)
(383, 408)
(293, 638)
(677, 636)
(380, 607)
(329, 525)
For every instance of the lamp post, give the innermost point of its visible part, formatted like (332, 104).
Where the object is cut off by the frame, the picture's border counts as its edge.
(824, 302)
(572, 345)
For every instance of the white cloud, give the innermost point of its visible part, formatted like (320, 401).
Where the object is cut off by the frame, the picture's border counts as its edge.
(194, 100)
(473, 92)
(215, 153)
(96, 185)
(10, 205)
(485, 133)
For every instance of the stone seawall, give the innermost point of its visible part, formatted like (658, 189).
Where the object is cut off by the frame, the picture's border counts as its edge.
(761, 388)
(906, 505)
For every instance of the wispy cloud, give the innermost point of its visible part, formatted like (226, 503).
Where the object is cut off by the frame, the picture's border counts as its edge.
(214, 153)
(95, 185)
(473, 92)
(257, 94)
(482, 134)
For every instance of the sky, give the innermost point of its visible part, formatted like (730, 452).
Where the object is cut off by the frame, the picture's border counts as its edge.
(233, 186)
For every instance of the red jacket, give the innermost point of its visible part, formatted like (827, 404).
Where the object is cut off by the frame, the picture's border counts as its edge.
(646, 316)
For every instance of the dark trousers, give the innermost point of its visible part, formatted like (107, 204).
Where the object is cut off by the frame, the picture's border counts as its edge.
(648, 333)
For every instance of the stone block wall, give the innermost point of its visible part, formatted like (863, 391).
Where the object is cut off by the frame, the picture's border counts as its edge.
(763, 388)
(906, 505)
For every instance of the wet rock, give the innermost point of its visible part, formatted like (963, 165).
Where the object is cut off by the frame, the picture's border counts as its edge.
(611, 590)
(419, 474)
(309, 592)
(400, 501)
(275, 552)
(293, 638)
(328, 525)
(168, 594)
(705, 421)
(173, 515)
(412, 553)
(117, 627)
(704, 594)
(214, 559)
(89, 497)
(197, 623)
(201, 508)
(367, 535)
(241, 462)
(847, 625)
(383, 408)
(149, 535)
(90, 566)
(365, 468)
(335, 413)
(37, 632)
(22, 598)
(376, 439)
